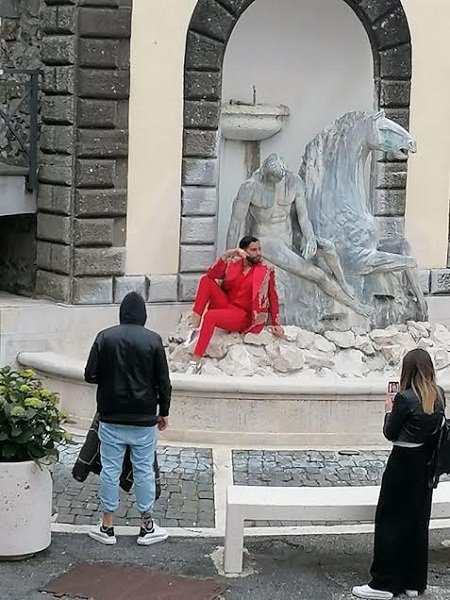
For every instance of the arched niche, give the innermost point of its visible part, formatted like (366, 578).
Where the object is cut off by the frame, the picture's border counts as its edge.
(209, 31)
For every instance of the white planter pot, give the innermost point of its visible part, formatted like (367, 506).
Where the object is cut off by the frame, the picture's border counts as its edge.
(25, 508)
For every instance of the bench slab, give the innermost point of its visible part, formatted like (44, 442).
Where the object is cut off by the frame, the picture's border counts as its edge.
(337, 504)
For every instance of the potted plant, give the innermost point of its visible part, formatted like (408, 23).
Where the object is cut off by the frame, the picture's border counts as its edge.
(30, 434)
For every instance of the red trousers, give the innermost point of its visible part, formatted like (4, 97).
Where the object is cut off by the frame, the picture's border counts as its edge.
(220, 313)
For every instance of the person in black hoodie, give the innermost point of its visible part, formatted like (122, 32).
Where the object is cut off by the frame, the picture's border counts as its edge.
(129, 365)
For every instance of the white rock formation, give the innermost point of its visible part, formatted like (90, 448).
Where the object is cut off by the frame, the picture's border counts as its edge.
(343, 339)
(306, 354)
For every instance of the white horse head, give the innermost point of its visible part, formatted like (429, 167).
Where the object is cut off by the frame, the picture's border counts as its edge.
(333, 170)
(333, 167)
(390, 137)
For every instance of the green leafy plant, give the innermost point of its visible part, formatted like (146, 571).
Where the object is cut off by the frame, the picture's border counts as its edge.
(30, 420)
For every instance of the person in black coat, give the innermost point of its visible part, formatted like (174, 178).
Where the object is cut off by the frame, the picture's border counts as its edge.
(129, 365)
(412, 420)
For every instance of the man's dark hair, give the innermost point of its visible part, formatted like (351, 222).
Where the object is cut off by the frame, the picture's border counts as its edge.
(246, 241)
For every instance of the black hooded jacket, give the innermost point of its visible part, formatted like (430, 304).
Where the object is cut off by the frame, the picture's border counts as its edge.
(129, 365)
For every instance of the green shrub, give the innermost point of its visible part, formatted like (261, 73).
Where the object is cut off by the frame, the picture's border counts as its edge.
(30, 421)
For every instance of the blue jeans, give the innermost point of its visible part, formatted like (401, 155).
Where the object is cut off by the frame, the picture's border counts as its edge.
(114, 441)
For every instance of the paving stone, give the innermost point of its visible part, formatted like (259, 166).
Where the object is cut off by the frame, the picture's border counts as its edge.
(133, 522)
(206, 495)
(187, 497)
(70, 519)
(186, 523)
(306, 468)
(172, 523)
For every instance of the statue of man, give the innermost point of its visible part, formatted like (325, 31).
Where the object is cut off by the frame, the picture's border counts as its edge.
(268, 197)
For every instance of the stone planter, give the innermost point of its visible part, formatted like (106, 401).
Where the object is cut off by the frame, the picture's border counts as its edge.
(25, 508)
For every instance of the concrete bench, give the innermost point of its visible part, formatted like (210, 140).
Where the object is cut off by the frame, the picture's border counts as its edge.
(337, 504)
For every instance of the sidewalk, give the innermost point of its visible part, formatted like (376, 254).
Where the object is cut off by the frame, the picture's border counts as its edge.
(306, 568)
(192, 505)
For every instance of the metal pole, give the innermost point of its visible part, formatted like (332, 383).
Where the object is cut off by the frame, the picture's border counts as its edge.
(32, 182)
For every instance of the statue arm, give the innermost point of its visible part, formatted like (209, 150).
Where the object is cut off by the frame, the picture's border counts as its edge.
(238, 216)
(274, 304)
(309, 244)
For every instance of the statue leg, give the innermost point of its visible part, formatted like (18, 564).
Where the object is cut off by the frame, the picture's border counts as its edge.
(417, 290)
(377, 261)
(283, 257)
(385, 262)
(327, 250)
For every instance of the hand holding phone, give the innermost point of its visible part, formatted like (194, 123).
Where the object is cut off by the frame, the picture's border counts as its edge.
(393, 387)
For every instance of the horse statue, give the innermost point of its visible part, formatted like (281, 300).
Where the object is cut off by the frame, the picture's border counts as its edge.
(334, 173)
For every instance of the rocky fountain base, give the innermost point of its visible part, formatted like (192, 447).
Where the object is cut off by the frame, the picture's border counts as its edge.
(304, 355)
(310, 390)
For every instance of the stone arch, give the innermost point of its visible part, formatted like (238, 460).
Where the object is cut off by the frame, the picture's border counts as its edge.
(210, 29)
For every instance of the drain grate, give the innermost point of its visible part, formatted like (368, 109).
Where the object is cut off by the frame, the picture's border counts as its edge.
(107, 582)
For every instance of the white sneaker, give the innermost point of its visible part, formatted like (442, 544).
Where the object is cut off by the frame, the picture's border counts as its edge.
(104, 535)
(412, 593)
(365, 591)
(192, 334)
(193, 368)
(152, 535)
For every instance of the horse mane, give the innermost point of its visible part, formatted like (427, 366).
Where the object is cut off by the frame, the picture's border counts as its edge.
(319, 154)
(331, 138)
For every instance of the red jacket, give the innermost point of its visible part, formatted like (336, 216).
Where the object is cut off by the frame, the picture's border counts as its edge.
(264, 298)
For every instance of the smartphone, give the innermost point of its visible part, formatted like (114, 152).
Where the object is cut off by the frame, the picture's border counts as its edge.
(393, 387)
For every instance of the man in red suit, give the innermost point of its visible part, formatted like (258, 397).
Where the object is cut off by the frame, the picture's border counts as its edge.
(242, 302)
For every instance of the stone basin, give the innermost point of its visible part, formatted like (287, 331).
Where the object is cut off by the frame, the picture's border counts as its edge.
(242, 411)
(252, 122)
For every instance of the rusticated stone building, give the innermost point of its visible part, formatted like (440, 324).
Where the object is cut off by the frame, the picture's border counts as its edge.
(130, 151)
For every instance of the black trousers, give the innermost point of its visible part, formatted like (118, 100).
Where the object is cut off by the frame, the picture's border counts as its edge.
(401, 523)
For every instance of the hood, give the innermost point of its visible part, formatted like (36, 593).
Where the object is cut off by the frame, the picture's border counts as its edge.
(133, 310)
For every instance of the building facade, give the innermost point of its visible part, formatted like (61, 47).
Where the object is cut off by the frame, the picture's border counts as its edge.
(134, 177)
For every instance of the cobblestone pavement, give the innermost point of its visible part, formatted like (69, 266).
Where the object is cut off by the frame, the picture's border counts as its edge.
(312, 468)
(187, 496)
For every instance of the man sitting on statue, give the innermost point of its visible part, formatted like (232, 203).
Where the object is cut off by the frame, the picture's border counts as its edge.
(242, 302)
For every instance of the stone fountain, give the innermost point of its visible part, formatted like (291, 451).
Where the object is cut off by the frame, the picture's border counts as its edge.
(351, 306)
(351, 303)
(251, 124)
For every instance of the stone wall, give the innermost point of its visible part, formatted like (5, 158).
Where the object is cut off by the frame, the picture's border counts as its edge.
(83, 48)
(20, 34)
(20, 39)
(19, 49)
(84, 145)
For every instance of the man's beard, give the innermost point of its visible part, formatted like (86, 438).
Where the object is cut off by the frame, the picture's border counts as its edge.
(254, 260)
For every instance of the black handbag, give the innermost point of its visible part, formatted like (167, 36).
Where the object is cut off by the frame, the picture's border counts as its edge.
(440, 458)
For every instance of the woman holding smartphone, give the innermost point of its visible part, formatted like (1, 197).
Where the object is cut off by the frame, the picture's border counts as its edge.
(413, 417)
